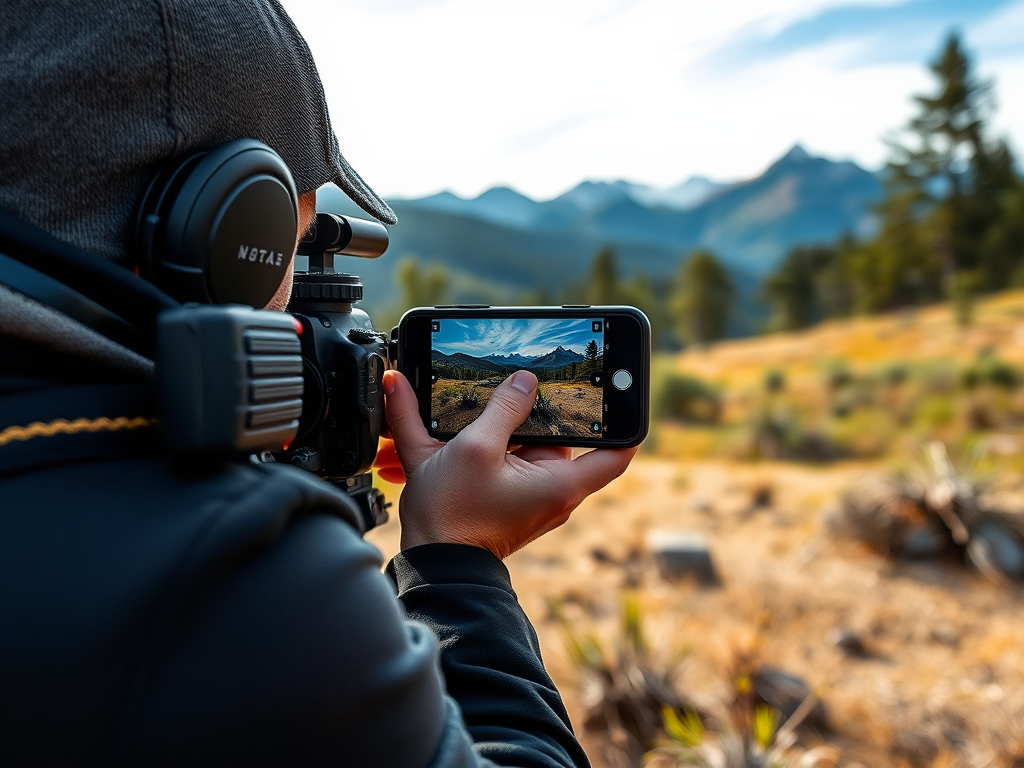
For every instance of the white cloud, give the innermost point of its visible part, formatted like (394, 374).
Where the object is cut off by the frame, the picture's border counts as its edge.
(540, 94)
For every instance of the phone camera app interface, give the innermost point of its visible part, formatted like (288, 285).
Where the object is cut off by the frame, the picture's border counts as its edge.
(470, 357)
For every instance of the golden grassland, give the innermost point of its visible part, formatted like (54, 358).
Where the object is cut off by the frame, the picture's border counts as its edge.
(942, 683)
(566, 407)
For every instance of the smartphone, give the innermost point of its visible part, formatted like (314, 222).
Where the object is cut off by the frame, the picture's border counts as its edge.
(593, 365)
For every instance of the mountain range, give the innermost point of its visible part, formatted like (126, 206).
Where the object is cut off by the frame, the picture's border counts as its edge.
(556, 358)
(502, 244)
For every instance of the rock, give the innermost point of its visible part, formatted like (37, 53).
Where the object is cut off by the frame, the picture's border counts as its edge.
(761, 495)
(923, 541)
(702, 504)
(849, 642)
(946, 635)
(996, 552)
(679, 554)
(785, 692)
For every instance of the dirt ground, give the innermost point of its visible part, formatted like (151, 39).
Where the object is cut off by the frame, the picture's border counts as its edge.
(942, 682)
(571, 407)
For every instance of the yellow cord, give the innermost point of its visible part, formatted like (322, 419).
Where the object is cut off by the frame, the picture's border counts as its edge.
(65, 427)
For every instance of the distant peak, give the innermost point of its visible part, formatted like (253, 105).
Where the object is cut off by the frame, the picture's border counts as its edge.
(797, 154)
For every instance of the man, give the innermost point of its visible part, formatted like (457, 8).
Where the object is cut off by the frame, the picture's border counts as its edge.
(216, 614)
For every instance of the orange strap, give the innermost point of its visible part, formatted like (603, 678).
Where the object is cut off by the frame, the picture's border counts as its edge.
(65, 427)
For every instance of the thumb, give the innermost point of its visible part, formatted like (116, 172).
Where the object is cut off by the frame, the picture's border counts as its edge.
(506, 410)
(413, 443)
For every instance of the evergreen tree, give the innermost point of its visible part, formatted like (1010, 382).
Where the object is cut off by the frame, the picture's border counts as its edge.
(702, 300)
(793, 290)
(422, 288)
(603, 287)
(591, 356)
(949, 177)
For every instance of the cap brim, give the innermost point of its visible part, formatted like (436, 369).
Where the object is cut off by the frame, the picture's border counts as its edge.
(352, 184)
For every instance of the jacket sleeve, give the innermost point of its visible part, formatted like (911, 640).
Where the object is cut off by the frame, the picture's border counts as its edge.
(490, 655)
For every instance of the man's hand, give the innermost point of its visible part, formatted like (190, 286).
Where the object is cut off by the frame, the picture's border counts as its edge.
(471, 490)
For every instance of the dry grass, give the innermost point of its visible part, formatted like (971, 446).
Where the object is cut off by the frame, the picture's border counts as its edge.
(563, 408)
(942, 684)
(947, 669)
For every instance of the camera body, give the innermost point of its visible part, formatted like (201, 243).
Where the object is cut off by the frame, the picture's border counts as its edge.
(343, 361)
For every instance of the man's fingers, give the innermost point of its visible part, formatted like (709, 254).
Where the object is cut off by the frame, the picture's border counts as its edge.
(412, 441)
(507, 408)
(532, 453)
(592, 471)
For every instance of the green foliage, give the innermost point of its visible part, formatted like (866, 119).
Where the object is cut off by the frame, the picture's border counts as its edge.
(688, 730)
(794, 291)
(990, 370)
(837, 375)
(774, 381)
(591, 355)
(606, 286)
(683, 398)
(422, 287)
(964, 286)
(632, 625)
(766, 722)
(469, 398)
(702, 299)
(950, 225)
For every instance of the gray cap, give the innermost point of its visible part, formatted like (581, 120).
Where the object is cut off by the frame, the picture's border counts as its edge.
(96, 95)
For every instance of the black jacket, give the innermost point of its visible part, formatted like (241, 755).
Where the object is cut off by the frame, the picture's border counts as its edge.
(160, 615)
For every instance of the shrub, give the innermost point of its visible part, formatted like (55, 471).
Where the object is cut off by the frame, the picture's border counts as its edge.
(774, 380)
(469, 398)
(684, 398)
(989, 369)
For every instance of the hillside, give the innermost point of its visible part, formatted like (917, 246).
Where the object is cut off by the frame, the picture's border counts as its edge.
(502, 244)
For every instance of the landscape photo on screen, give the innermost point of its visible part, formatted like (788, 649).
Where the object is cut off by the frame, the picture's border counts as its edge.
(470, 357)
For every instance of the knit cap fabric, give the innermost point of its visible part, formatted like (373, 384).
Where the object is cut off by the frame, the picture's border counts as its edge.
(96, 95)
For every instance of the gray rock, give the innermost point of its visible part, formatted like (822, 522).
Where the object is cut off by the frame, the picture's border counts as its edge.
(785, 692)
(946, 634)
(849, 642)
(681, 554)
(923, 541)
(996, 552)
(703, 504)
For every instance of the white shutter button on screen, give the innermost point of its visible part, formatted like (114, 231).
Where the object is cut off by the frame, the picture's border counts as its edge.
(621, 379)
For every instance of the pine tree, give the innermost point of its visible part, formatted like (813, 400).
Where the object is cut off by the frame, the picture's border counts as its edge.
(702, 300)
(422, 288)
(591, 355)
(793, 290)
(603, 287)
(949, 176)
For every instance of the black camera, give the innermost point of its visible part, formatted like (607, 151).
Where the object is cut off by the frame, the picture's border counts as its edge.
(343, 360)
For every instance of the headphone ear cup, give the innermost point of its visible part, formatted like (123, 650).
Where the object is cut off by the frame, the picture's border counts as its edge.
(151, 220)
(221, 226)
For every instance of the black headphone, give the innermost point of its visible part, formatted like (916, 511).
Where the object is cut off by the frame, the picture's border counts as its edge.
(220, 226)
(217, 227)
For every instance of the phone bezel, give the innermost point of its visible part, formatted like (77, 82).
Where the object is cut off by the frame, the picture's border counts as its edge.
(629, 347)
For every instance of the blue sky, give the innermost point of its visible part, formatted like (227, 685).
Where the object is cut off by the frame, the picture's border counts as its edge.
(539, 95)
(881, 33)
(529, 338)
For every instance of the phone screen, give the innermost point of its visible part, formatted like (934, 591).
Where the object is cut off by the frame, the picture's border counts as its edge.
(471, 356)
